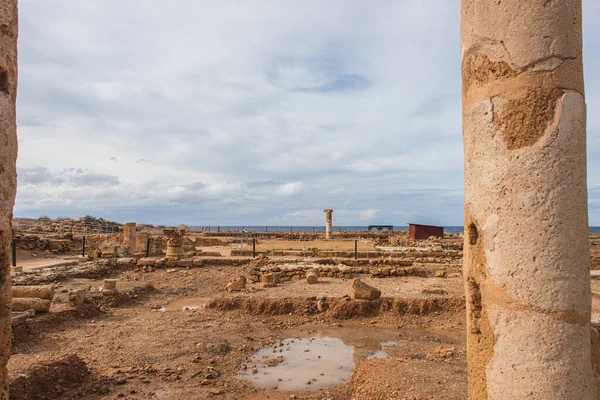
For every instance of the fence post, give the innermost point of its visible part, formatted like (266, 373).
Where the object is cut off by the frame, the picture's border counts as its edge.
(253, 247)
(14, 252)
(148, 248)
(356, 249)
(83, 246)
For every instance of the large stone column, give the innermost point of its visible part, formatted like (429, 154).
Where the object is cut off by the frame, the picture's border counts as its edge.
(129, 237)
(328, 222)
(526, 259)
(8, 171)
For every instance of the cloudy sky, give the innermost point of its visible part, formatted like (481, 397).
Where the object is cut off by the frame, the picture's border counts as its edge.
(251, 112)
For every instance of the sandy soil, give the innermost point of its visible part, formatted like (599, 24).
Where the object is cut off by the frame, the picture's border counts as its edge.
(148, 344)
(134, 351)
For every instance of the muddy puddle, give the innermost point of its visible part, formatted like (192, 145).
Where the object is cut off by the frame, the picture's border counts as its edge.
(324, 359)
(186, 304)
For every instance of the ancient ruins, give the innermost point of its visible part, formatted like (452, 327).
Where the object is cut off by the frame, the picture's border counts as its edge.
(507, 309)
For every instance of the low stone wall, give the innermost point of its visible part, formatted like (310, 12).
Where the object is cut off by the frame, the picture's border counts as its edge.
(298, 272)
(350, 254)
(151, 263)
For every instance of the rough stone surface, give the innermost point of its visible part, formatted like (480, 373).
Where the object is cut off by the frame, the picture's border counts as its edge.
(237, 284)
(129, 237)
(30, 303)
(174, 243)
(109, 286)
(76, 297)
(312, 277)
(361, 290)
(8, 171)
(526, 245)
(41, 291)
(268, 280)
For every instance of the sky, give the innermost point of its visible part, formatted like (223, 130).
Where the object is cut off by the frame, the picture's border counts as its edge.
(251, 112)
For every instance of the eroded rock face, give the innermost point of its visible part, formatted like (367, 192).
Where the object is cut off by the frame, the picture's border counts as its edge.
(361, 290)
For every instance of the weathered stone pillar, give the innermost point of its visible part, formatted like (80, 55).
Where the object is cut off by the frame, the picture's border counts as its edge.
(129, 239)
(329, 222)
(174, 243)
(141, 242)
(8, 171)
(526, 257)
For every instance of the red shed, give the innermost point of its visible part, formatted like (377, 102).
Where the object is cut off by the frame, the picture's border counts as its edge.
(422, 232)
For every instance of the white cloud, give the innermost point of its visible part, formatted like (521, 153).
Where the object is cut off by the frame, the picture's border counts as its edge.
(289, 189)
(366, 215)
(247, 111)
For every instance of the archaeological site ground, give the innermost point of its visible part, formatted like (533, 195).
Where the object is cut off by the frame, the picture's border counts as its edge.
(506, 310)
(146, 314)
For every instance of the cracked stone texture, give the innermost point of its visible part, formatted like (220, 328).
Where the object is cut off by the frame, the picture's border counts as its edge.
(8, 173)
(527, 252)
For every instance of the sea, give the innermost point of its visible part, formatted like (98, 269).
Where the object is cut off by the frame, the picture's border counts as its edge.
(315, 229)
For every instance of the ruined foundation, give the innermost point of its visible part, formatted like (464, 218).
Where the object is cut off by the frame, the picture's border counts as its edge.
(8, 173)
(526, 229)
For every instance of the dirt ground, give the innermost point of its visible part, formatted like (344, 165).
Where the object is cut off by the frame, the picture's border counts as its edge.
(134, 350)
(176, 333)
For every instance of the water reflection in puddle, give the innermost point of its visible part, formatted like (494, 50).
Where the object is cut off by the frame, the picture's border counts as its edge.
(327, 359)
(385, 349)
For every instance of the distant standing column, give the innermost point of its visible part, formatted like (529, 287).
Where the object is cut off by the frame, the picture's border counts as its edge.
(526, 257)
(328, 222)
(8, 171)
(129, 236)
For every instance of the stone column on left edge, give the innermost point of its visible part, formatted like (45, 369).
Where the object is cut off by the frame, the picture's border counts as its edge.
(8, 171)
(129, 239)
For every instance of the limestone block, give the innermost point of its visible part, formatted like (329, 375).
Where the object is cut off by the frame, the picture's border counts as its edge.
(237, 284)
(312, 277)
(361, 290)
(42, 292)
(30, 303)
(125, 261)
(76, 297)
(109, 286)
(268, 280)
